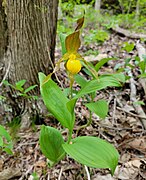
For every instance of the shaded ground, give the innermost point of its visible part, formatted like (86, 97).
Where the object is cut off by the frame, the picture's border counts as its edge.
(122, 128)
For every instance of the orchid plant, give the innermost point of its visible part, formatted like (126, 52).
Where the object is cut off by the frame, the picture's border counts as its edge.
(87, 150)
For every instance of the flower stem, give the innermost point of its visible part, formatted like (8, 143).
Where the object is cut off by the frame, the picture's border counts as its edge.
(71, 77)
(69, 136)
(71, 92)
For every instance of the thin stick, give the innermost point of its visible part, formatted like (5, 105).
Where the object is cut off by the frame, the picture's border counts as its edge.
(114, 110)
(137, 107)
(48, 178)
(132, 114)
(60, 174)
(87, 172)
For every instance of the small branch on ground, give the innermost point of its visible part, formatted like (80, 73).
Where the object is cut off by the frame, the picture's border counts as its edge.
(133, 99)
(128, 33)
(114, 111)
(60, 174)
(141, 51)
(132, 114)
(88, 174)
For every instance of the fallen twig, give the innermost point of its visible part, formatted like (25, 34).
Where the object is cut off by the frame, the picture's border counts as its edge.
(88, 174)
(132, 114)
(60, 174)
(137, 107)
(141, 51)
(25, 144)
(114, 111)
(128, 33)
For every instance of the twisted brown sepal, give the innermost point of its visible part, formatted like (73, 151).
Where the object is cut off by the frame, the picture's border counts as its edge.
(80, 23)
(72, 43)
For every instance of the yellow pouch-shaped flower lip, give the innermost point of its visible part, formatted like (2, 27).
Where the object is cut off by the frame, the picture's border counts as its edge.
(73, 66)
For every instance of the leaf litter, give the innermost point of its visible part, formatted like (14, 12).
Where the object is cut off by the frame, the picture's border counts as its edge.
(122, 128)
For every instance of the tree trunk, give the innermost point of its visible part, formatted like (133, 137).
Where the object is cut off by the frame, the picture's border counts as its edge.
(97, 5)
(137, 13)
(31, 36)
(31, 27)
(3, 36)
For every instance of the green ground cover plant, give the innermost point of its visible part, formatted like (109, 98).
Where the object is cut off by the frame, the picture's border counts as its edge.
(126, 14)
(19, 87)
(137, 63)
(5, 141)
(20, 94)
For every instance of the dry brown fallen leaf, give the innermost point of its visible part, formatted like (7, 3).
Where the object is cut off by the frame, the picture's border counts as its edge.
(40, 164)
(139, 144)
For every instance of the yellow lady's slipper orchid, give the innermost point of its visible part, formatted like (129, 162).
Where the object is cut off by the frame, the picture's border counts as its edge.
(73, 65)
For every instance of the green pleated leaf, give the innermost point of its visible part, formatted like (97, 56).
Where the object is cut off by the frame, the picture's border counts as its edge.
(6, 83)
(51, 142)
(93, 152)
(30, 88)
(19, 85)
(6, 146)
(56, 102)
(99, 107)
(99, 84)
(118, 76)
(80, 80)
(102, 62)
(8, 151)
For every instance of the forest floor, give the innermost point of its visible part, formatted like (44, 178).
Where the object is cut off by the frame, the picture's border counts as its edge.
(122, 127)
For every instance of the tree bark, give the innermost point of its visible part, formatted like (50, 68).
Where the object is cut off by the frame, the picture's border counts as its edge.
(31, 36)
(29, 43)
(3, 34)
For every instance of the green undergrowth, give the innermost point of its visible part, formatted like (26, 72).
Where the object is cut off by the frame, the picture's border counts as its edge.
(97, 25)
